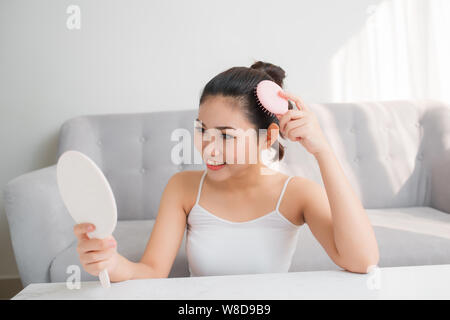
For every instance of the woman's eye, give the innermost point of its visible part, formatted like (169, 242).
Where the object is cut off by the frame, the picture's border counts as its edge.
(227, 136)
(224, 135)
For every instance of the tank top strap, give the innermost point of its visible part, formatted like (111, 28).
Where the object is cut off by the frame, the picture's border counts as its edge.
(282, 192)
(200, 187)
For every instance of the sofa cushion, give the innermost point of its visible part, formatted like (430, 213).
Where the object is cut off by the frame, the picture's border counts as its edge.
(406, 236)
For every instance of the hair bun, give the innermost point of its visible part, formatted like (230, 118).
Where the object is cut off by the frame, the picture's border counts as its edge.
(275, 72)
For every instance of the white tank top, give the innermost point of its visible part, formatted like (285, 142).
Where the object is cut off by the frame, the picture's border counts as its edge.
(215, 246)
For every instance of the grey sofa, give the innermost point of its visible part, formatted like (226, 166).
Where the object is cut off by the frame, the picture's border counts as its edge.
(396, 155)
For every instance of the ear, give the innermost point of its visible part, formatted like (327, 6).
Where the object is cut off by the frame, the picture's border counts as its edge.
(272, 134)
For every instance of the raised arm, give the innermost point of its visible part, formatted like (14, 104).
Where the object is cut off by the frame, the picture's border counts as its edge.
(335, 215)
(338, 220)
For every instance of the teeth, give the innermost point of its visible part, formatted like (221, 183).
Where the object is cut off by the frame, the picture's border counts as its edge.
(214, 163)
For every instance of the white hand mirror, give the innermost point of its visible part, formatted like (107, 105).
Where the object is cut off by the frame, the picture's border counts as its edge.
(87, 196)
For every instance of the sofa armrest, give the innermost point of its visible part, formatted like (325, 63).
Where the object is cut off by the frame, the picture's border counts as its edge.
(434, 153)
(39, 223)
(440, 182)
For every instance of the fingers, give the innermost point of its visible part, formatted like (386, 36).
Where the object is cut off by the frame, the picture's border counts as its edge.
(297, 133)
(96, 267)
(82, 229)
(290, 115)
(96, 256)
(298, 102)
(294, 124)
(95, 245)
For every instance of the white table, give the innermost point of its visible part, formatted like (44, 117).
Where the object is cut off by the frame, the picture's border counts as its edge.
(414, 282)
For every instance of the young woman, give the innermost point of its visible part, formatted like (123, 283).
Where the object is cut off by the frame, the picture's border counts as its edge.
(242, 217)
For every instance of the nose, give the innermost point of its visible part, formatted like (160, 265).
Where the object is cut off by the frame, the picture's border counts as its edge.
(212, 147)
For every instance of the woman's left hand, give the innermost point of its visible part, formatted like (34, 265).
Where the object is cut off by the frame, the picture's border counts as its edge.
(302, 125)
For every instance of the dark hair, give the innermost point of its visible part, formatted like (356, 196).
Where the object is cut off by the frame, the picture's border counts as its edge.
(240, 82)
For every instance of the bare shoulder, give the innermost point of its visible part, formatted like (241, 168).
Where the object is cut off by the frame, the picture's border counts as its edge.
(186, 184)
(313, 190)
(314, 198)
(305, 182)
(297, 194)
(188, 178)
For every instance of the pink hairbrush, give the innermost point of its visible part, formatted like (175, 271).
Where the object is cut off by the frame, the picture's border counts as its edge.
(266, 93)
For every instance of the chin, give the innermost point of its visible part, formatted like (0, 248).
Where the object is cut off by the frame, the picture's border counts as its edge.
(219, 172)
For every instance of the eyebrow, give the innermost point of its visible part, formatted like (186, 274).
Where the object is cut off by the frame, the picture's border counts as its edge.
(220, 128)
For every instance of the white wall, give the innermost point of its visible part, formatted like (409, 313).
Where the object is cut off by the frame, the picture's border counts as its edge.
(140, 56)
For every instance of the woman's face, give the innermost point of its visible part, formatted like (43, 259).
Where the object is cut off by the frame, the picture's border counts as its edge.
(227, 141)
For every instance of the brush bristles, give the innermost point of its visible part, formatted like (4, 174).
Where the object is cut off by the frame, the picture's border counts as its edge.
(261, 106)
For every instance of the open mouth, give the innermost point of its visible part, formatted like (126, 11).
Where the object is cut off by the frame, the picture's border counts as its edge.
(214, 165)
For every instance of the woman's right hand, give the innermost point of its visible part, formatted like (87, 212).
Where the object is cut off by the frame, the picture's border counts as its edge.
(95, 254)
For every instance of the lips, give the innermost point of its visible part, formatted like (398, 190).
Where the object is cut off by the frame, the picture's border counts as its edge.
(215, 167)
